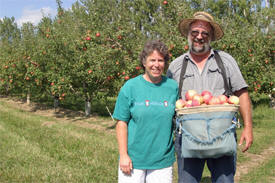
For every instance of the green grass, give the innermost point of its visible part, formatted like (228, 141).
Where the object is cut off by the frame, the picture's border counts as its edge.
(264, 173)
(33, 152)
(263, 128)
(34, 148)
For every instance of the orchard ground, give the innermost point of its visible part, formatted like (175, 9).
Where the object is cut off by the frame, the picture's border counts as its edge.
(256, 165)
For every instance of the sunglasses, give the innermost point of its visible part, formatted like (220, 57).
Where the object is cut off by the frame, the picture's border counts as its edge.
(195, 33)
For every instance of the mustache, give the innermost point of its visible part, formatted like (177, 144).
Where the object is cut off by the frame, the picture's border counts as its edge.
(199, 40)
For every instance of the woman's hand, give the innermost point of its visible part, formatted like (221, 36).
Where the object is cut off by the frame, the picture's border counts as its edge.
(125, 164)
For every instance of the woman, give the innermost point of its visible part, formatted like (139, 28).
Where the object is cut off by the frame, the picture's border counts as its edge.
(144, 110)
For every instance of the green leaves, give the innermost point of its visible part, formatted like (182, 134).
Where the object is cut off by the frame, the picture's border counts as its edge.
(106, 37)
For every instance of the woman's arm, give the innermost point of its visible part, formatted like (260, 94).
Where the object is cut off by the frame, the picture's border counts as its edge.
(125, 162)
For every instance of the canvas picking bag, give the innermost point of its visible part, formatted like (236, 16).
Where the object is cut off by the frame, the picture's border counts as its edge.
(207, 131)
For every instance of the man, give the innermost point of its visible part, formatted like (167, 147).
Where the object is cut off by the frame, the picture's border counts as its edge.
(203, 73)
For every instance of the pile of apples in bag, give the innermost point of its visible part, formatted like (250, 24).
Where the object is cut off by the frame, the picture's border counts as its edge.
(192, 99)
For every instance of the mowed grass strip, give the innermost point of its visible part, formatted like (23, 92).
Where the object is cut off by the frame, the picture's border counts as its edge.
(34, 148)
(264, 173)
(31, 150)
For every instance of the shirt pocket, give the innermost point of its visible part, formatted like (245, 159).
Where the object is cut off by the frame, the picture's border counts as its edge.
(215, 79)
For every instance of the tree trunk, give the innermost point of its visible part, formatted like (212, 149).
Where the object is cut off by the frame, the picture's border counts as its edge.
(56, 102)
(87, 108)
(28, 98)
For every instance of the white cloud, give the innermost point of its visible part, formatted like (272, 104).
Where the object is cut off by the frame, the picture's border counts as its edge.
(35, 15)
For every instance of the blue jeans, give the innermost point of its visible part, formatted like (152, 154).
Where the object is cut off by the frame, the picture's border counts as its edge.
(190, 169)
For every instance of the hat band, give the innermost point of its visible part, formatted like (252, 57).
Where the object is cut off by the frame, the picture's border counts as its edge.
(204, 16)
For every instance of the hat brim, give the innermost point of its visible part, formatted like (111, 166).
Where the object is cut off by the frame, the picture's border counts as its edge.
(185, 24)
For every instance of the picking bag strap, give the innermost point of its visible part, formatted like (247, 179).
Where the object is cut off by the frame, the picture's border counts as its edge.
(182, 72)
(218, 59)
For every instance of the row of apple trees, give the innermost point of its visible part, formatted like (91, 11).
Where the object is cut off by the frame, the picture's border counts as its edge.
(90, 50)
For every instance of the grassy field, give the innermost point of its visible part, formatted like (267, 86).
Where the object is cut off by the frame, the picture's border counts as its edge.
(43, 148)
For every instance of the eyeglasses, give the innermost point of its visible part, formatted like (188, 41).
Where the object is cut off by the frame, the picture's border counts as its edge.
(196, 33)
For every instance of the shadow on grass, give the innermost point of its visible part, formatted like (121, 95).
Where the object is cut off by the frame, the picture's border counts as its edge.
(72, 108)
(206, 180)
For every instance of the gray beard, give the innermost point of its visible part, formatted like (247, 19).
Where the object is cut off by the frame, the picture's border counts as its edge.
(201, 50)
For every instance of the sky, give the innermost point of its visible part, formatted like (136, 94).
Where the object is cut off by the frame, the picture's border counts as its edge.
(30, 10)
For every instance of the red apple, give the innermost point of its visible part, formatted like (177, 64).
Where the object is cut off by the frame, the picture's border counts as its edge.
(180, 103)
(186, 47)
(234, 100)
(198, 98)
(90, 71)
(188, 103)
(119, 37)
(138, 67)
(190, 94)
(126, 77)
(214, 101)
(97, 34)
(205, 92)
(88, 38)
(195, 102)
(165, 2)
(206, 96)
(223, 99)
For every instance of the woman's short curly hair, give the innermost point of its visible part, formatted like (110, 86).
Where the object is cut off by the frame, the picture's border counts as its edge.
(150, 47)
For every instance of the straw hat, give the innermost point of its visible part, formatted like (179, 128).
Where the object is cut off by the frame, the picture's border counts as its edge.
(185, 24)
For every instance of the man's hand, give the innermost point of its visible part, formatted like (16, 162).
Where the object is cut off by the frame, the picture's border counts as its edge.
(246, 136)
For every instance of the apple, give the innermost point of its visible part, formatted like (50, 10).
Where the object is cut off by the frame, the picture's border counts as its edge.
(119, 37)
(190, 94)
(90, 71)
(88, 38)
(138, 67)
(214, 101)
(186, 47)
(234, 100)
(180, 103)
(198, 98)
(206, 96)
(97, 34)
(206, 92)
(195, 102)
(165, 2)
(223, 99)
(126, 77)
(188, 103)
